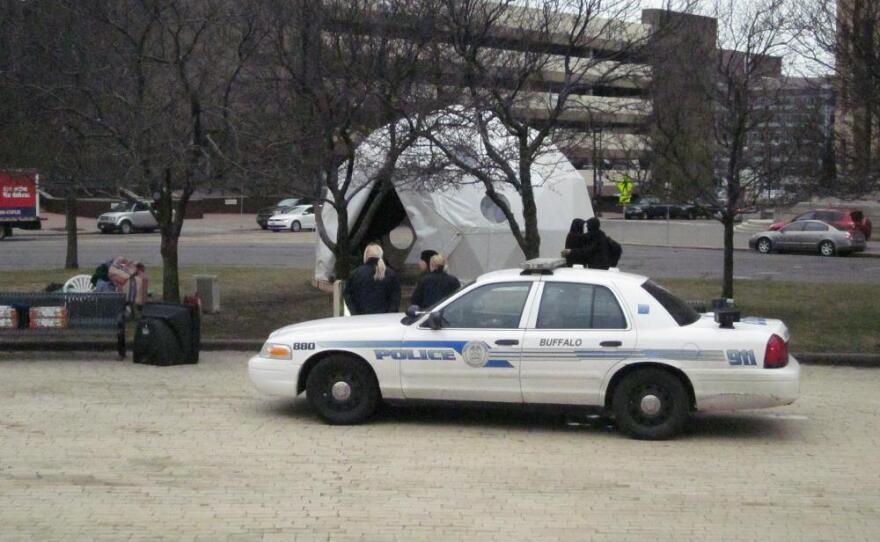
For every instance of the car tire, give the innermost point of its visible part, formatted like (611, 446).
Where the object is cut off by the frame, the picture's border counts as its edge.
(342, 390)
(764, 246)
(650, 404)
(125, 227)
(295, 226)
(826, 248)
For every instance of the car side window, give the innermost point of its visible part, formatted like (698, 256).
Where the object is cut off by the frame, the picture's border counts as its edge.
(815, 226)
(794, 226)
(579, 306)
(494, 306)
(810, 215)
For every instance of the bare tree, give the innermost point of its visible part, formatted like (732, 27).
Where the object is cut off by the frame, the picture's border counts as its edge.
(148, 86)
(46, 50)
(523, 72)
(341, 69)
(843, 37)
(725, 171)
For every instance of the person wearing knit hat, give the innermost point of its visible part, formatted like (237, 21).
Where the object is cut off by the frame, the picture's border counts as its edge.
(425, 260)
(435, 285)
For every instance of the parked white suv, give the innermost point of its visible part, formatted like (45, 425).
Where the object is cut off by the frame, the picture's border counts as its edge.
(127, 217)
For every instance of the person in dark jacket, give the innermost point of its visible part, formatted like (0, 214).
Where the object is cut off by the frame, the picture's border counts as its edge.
(436, 285)
(596, 250)
(372, 288)
(425, 260)
(574, 240)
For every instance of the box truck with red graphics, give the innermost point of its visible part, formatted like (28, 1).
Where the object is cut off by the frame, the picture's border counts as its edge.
(19, 201)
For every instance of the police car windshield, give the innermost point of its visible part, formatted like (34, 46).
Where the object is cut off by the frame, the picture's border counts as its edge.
(683, 313)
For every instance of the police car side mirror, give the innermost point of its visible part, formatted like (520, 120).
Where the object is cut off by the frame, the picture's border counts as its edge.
(435, 320)
(413, 311)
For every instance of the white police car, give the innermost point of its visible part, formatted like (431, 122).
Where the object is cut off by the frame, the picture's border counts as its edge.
(543, 335)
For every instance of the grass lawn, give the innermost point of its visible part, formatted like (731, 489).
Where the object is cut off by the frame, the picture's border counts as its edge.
(255, 301)
(826, 317)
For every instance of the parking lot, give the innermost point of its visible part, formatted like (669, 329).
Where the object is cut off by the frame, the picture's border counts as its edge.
(94, 449)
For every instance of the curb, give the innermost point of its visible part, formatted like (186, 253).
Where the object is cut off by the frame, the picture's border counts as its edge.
(870, 361)
(831, 359)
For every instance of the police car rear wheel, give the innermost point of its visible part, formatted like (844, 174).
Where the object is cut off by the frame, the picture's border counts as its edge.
(650, 404)
(342, 390)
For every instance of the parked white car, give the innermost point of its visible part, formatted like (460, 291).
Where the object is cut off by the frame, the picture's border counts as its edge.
(603, 341)
(296, 218)
(128, 217)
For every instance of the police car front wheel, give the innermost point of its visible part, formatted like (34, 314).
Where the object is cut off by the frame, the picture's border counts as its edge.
(650, 404)
(342, 390)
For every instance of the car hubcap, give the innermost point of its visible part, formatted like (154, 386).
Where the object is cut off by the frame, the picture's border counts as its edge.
(651, 405)
(341, 391)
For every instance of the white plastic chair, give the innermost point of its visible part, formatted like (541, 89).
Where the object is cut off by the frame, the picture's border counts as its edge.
(79, 283)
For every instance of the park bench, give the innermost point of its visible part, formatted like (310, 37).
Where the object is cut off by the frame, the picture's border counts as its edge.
(76, 315)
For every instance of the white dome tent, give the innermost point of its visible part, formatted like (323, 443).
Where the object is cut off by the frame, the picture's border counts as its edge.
(458, 219)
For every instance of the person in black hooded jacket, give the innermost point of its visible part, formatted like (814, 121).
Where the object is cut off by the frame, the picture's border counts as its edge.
(596, 250)
(574, 240)
(435, 285)
(372, 288)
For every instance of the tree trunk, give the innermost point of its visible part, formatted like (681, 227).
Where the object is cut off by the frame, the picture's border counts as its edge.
(532, 247)
(727, 281)
(72, 259)
(170, 227)
(342, 251)
(170, 278)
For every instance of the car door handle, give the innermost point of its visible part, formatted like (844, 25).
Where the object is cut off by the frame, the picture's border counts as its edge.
(507, 342)
(610, 343)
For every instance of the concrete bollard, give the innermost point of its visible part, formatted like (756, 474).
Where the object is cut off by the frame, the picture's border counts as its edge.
(208, 290)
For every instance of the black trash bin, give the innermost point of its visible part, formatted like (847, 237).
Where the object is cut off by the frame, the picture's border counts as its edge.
(167, 334)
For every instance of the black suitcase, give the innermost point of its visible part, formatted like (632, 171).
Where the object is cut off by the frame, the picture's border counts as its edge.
(167, 334)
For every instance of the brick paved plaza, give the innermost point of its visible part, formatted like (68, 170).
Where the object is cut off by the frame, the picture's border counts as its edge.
(94, 449)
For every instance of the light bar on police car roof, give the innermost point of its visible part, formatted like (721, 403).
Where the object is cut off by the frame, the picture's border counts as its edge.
(543, 264)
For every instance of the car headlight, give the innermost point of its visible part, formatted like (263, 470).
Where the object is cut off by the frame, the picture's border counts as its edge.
(276, 351)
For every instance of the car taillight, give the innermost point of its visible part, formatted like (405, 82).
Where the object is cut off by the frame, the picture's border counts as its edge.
(776, 355)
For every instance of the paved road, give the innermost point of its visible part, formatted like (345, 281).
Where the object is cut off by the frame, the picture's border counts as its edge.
(255, 247)
(664, 262)
(245, 248)
(94, 449)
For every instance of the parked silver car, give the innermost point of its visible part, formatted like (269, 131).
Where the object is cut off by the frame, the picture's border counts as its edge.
(128, 216)
(809, 236)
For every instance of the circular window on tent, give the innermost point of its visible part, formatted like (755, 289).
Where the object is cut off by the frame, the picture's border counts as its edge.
(491, 211)
(402, 237)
